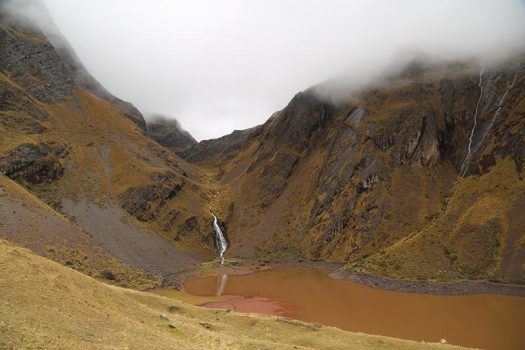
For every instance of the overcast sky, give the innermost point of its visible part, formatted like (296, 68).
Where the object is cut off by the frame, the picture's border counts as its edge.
(217, 66)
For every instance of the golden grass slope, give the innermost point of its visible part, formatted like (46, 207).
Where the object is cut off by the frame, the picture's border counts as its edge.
(107, 154)
(28, 221)
(48, 306)
(477, 235)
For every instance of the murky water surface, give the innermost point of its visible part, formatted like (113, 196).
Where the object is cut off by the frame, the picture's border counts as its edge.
(484, 321)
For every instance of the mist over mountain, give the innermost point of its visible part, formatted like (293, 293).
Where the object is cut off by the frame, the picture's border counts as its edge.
(227, 66)
(361, 141)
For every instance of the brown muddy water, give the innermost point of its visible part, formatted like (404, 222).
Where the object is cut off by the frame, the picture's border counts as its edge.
(482, 321)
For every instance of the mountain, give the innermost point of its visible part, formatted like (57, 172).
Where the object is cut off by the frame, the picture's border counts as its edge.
(83, 159)
(418, 176)
(169, 133)
(403, 179)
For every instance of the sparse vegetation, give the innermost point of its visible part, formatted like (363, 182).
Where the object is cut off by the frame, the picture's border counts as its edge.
(45, 305)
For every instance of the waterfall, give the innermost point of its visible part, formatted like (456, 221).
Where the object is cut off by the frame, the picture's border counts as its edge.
(498, 109)
(464, 165)
(222, 245)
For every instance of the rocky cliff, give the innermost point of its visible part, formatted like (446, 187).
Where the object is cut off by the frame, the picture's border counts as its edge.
(404, 178)
(84, 155)
(169, 133)
(419, 176)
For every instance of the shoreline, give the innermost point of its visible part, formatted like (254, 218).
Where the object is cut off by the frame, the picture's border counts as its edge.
(453, 288)
(335, 271)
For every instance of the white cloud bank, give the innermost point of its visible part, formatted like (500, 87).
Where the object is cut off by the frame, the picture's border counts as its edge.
(223, 65)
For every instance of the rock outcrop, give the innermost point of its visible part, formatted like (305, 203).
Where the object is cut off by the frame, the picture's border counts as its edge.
(35, 66)
(372, 181)
(169, 133)
(45, 65)
(34, 163)
(145, 202)
(222, 147)
(346, 181)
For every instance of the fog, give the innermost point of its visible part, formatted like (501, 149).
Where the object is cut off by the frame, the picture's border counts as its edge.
(217, 66)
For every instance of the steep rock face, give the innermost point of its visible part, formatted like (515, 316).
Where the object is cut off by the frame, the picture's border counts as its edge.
(355, 181)
(169, 133)
(224, 146)
(13, 99)
(301, 121)
(413, 136)
(35, 66)
(25, 125)
(45, 65)
(144, 202)
(34, 164)
(70, 144)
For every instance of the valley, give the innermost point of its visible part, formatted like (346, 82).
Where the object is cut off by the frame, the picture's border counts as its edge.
(396, 210)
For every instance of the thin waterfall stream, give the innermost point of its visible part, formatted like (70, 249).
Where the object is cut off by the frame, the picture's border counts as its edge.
(464, 165)
(498, 109)
(220, 241)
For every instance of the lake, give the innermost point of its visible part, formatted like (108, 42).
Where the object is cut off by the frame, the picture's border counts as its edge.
(484, 321)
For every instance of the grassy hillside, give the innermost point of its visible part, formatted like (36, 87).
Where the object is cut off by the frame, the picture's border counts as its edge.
(373, 182)
(77, 150)
(27, 220)
(362, 181)
(46, 305)
(477, 235)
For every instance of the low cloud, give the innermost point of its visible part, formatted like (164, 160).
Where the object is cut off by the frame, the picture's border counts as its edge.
(223, 65)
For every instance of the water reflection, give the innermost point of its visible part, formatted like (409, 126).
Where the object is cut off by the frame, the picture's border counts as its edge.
(482, 321)
(221, 283)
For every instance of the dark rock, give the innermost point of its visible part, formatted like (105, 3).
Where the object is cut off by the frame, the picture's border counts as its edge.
(274, 176)
(35, 66)
(174, 308)
(206, 325)
(169, 133)
(300, 121)
(34, 163)
(412, 135)
(16, 100)
(170, 219)
(190, 224)
(223, 146)
(145, 202)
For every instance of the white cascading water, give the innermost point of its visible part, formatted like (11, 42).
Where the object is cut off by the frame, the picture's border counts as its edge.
(222, 245)
(498, 110)
(464, 165)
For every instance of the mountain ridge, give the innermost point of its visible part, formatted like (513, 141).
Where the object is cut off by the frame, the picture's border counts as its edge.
(356, 181)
